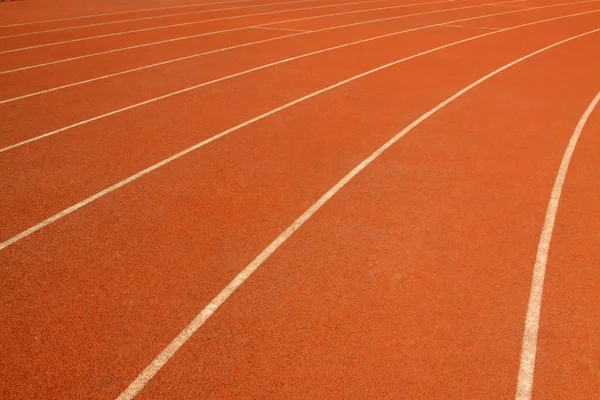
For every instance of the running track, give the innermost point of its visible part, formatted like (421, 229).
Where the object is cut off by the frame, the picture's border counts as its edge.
(300, 199)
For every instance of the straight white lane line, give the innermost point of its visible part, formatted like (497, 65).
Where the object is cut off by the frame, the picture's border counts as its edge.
(532, 319)
(507, 5)
(203, 143)
(218, 50)
(153, 28)
(150, 371)
(171, 94)
(168, 15)
(274, 29)
(459, 26)
(122, 12)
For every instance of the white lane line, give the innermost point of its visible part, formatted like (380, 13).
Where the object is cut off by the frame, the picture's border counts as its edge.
(507, 5)
(148, 373)
(153, 28)
(166, 16)
(171, 94)
(247, 27)
(274, 29)
(217, 51)
(459, 26)
(203, 143)
(122, 12)
(532, 319)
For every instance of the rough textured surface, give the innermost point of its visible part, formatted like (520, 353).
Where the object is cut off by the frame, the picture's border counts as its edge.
(412, 282)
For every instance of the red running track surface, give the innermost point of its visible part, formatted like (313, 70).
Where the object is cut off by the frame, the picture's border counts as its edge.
(411, 281)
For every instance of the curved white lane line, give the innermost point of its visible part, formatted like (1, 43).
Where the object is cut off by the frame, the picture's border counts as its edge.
(207, 83)
(532, 319)
(192, 56)
(203, 21)
(68, 28)
(203, 143)
(119, 12)
(148, 373)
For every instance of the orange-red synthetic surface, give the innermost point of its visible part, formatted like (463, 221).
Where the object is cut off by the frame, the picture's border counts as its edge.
(412, 282)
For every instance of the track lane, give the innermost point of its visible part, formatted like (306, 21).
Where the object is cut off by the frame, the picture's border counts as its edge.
(568, 348)
(41, 87)
(15, 61)
(522, 17)
(415, 278)
(53, 173)
(176, 46)
(129, 89)
(57, 26)
(315, 24)
(182, 24)
(114, 248)
(38, 82)
(531, 329)
(42, 12)
(45, 179)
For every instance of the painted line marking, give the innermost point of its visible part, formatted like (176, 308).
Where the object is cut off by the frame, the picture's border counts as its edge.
(204, 142)
(169, 15)
(150, 371)
(532, 319)
(121, 12)
(459, 26)
(192, 23)
(155, 99)
(275, 29)
(512, 5)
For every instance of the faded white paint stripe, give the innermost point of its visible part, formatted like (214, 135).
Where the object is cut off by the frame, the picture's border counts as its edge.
(532, 320)
(150, 371)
